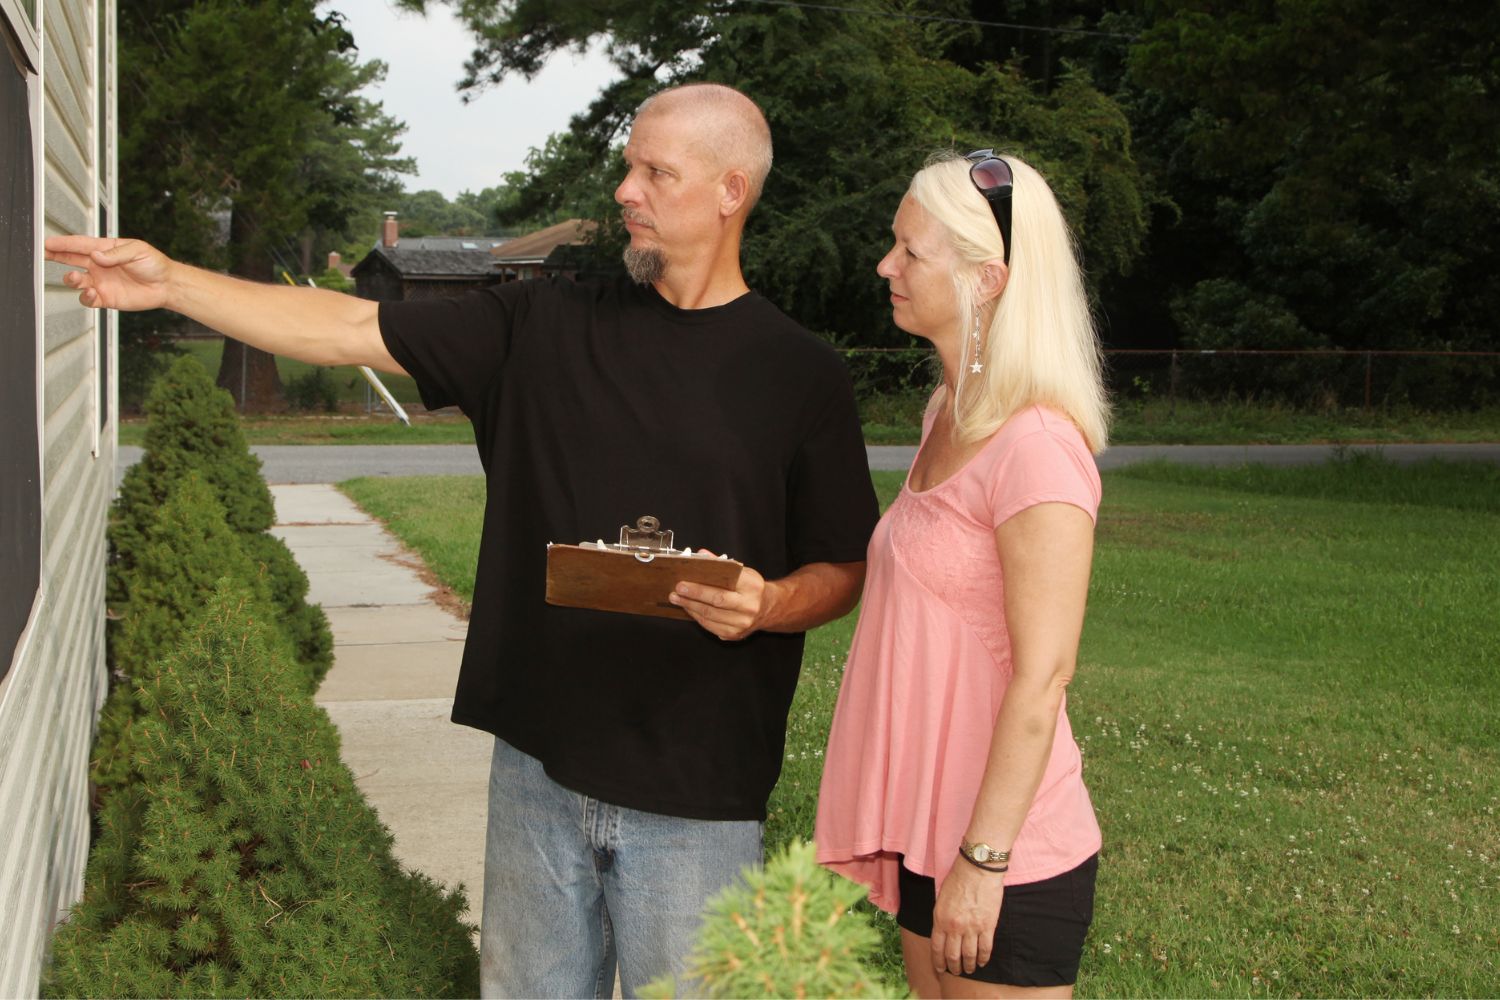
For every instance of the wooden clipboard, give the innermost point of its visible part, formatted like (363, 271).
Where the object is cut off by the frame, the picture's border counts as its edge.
(633, 577)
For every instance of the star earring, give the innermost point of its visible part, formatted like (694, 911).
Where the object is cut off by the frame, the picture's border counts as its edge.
(977, 367)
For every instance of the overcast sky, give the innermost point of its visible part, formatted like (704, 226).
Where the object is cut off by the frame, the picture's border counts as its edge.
(460, 146)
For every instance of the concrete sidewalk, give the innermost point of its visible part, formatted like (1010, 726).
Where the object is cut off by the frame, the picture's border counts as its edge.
(396, 656)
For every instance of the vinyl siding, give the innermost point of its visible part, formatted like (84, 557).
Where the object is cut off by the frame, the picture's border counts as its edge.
(50, 698)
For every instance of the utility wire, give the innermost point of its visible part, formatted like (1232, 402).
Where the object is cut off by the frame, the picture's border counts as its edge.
(941, 19)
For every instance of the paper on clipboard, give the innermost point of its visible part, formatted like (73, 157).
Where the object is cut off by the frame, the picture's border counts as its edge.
(633, 576)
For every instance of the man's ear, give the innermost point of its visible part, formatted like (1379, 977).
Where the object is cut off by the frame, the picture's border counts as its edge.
(993, 277)
(736, 190)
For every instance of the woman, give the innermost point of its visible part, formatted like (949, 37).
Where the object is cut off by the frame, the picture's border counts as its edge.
(953, 786)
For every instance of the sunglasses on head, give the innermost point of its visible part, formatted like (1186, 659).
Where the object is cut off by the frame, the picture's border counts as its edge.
(993, 177)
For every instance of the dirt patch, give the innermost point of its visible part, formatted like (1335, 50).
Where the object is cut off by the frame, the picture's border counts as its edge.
(441, 594)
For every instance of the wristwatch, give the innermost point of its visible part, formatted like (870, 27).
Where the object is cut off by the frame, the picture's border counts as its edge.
(983, 854)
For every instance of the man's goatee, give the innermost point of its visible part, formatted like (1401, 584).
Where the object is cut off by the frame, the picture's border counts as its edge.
(645, 267)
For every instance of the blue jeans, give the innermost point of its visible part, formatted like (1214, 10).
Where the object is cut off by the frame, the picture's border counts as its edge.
(573, 885)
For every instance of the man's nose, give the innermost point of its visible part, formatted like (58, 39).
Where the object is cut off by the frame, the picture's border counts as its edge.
(626, 193)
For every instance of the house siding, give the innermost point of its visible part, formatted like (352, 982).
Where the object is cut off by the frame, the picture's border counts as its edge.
(50, 697)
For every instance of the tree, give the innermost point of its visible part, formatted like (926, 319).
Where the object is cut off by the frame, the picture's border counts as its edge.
(855, 103)
(247, 115)
(1335, 161)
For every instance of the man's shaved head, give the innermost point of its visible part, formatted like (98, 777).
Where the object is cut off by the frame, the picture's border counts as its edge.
(732, 130)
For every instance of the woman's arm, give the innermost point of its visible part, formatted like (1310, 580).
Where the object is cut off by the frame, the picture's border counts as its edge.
(1046, 552)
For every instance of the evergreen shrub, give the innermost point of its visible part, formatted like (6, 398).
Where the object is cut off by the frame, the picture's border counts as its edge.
(787, 930)
(186, 549)
(192, 426)
(305, 624)
(314, 389)
(245, 862)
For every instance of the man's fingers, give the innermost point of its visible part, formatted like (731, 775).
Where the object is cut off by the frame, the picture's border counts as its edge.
(80, 246)
(69, 259)
(714, 596)
(723, 624)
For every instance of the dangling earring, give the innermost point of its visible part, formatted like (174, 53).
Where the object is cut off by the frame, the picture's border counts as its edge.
(977, 366)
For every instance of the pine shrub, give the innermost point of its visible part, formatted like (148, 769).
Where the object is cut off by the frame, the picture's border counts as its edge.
(186, 548)
(192, 426)
(789, 930)
(305, 624)
(193, 429)
(246, 862)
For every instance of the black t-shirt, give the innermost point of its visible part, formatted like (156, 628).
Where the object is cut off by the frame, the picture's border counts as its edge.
(594, 404)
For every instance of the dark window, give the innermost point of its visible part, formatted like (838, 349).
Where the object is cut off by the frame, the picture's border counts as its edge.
(20, 487)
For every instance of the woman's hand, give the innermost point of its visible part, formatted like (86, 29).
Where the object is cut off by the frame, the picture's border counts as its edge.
(963, 922)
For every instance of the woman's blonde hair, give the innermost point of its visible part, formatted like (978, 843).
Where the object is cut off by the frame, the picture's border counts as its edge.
(1040, 346)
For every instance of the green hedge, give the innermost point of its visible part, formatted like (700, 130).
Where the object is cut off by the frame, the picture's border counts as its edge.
(244, 861)
(193, 429)
(186, 547)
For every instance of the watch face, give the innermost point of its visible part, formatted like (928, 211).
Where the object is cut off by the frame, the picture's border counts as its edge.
(981, 852)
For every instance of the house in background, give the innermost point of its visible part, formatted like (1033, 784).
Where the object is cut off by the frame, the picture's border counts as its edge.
(562, 249)
(57, 457)
(401, 268)
(424, 267)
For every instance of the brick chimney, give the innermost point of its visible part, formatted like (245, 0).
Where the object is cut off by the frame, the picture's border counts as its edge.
(334, 260)
(388, 230)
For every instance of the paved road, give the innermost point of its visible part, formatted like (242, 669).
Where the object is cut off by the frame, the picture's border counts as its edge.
(333, 463)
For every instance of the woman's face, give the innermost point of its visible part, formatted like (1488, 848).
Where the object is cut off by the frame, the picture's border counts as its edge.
(919, 270)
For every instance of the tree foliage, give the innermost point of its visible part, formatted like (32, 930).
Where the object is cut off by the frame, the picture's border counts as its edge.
(855, 104)
(1335, 162)
(1297, 173)
(243, 127)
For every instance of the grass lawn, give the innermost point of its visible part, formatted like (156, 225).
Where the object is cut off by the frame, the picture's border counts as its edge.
(336, 429)
(1286, 698)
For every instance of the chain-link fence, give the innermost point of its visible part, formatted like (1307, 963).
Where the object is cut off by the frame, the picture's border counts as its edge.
(1314, 379)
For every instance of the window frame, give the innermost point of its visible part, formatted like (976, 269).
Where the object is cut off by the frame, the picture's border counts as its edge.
(26, 30)
(13, 47)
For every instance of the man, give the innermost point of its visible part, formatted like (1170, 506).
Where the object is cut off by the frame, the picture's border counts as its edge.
(633, 756)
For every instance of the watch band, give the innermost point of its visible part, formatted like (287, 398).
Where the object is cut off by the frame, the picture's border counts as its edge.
(997, 869)
(982, 853)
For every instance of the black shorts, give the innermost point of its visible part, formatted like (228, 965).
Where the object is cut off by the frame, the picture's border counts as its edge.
(1039, 938)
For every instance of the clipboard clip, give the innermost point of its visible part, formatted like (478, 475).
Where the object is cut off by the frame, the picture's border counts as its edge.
(646, 540)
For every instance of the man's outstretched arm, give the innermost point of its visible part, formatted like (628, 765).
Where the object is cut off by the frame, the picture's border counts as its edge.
(309, 324)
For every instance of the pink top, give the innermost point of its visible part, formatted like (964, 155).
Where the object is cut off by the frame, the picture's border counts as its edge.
(928, 669)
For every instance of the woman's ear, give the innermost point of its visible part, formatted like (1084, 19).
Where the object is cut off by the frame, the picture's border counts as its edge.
(993, 277)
